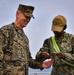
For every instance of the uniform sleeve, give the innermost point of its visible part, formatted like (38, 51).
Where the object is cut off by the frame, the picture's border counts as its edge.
(70, 56)
(32, 62)
(4, 34)
(1, 53)
(45, 48)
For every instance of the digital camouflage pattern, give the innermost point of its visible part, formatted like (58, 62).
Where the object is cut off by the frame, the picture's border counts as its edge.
(15, 57)
(66, 45)
(26, 10)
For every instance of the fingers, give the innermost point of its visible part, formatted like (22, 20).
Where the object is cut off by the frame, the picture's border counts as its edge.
(48, 63)
(45, 55)
(60, 55)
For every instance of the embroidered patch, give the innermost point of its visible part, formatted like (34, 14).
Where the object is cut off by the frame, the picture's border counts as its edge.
(57, 22)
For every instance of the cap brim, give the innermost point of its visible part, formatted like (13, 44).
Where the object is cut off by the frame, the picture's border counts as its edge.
(33, 17)
(57, 28)
(28, 15)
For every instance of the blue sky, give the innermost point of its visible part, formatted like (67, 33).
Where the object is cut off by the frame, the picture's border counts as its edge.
(40, 27)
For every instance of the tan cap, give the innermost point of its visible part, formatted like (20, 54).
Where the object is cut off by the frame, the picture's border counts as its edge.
(26, 10)
(58, 23)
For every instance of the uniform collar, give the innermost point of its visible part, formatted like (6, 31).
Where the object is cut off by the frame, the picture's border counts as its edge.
(19, 30)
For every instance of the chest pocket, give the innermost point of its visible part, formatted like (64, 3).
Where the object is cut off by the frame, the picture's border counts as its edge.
(66, 46)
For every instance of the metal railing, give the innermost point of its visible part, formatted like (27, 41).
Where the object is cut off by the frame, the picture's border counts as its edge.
(39, 73)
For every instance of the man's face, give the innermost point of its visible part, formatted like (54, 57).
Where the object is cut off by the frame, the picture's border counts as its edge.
(23, 20)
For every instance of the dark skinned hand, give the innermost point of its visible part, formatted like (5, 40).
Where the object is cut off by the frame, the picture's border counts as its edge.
(45, 55)
(60, 55)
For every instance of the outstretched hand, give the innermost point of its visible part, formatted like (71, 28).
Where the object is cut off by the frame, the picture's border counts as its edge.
(47, 63)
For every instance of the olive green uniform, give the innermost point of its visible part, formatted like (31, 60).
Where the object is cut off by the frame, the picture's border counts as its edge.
(66, 45)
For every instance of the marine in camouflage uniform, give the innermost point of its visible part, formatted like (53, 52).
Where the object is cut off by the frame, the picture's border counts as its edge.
(66, 45)
(15, 56)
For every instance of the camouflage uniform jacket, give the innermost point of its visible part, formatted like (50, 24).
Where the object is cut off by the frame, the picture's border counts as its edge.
(66, 45)
(15, 56)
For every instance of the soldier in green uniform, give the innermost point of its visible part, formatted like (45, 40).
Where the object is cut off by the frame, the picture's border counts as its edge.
(15, 56)
(59, 47)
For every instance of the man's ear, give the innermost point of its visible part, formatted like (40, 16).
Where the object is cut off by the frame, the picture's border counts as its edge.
(65, 27)
(18, 13)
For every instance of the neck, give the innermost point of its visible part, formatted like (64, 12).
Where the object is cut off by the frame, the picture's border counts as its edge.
(59, 36)
(17, 24)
